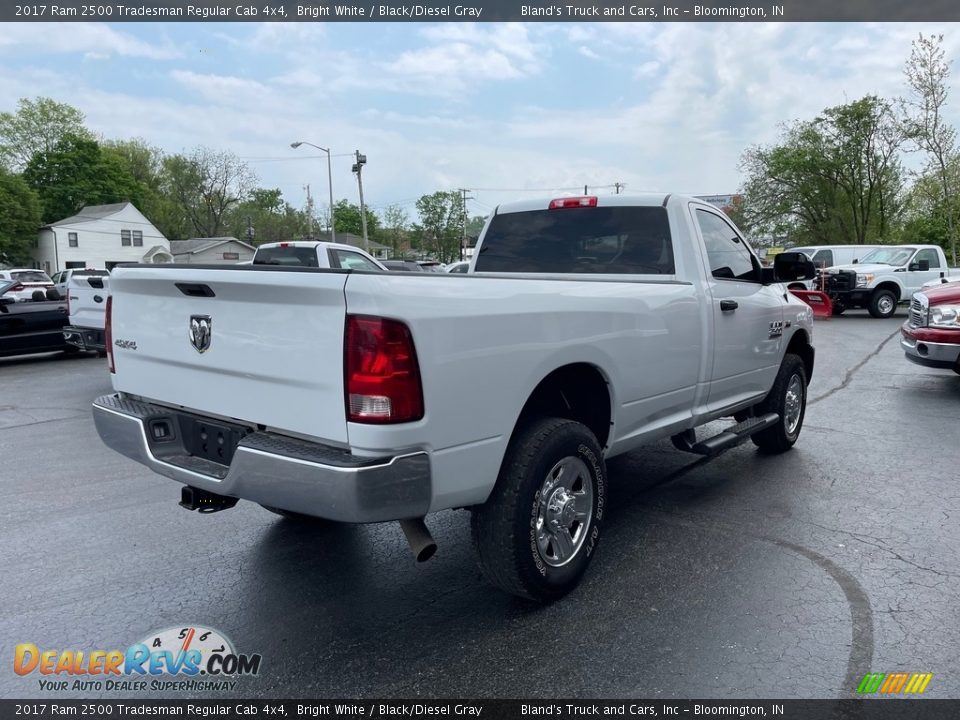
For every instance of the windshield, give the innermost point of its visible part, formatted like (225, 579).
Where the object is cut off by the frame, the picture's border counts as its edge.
(888, 256)
(31, 276)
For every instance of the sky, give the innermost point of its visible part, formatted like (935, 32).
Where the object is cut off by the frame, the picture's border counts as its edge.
(507, 111)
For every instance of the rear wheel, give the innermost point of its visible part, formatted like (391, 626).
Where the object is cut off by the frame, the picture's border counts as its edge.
(883, 304)
(537, 532)
(838, 308)
(787, 398)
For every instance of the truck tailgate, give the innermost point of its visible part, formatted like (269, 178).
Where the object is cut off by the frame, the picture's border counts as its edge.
(275, 353)
(88, 300)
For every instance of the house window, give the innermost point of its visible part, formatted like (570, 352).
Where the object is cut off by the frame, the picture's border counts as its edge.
(125, 238)
(137, 238)
(72, 240)
(231, 256)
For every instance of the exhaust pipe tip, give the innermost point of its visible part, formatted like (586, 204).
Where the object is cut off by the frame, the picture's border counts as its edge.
(419, 538)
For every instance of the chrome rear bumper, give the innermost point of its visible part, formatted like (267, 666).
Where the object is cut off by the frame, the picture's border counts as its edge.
(271, 469)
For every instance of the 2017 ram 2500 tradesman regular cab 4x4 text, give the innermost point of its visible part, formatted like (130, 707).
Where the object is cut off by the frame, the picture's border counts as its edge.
(585, 328)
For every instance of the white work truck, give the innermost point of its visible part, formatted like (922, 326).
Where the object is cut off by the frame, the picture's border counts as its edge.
(86, 292)
(884, 277)
(586, 327)
(315, 254)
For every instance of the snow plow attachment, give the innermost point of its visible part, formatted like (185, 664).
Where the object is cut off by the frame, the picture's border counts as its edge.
(819, 301)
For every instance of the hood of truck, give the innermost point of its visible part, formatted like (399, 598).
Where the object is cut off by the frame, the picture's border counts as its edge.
(863, 269)
(944, 293)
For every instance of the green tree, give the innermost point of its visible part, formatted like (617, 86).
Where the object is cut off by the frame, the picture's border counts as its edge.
(440, 230)
(346, 219)
(36, 128)
(394, 229)
(20, 219)
(145, 163)
(76, 173)
(928, 73)
(834, 180)
(206, 185)
(269, 217)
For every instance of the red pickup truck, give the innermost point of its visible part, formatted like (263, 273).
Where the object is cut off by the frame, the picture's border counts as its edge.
(931, 335)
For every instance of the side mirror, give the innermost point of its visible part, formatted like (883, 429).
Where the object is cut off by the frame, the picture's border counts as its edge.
(922, 266)
(855, 261)
(790, 266)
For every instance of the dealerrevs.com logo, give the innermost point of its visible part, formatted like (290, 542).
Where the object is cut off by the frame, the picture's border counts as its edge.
(188, 658)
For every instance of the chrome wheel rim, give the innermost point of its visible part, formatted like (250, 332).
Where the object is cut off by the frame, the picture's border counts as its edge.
(885, 304)
(793, 404)
(563, 512)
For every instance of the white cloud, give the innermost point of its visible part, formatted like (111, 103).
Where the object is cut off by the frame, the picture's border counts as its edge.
(67, 38)
(587, 52)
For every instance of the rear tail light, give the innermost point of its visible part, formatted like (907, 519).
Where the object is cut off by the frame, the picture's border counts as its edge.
(17, 288)
(108, 333)
(381, 373)
(573, 202)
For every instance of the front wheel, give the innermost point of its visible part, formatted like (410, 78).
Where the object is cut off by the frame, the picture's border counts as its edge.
(787, 398)
(539, 528)
(883, 304)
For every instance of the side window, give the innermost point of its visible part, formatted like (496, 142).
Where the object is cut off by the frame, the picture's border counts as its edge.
(930, 255)
(729, 257)
(353, 261)
(823, 258)
(125, 238)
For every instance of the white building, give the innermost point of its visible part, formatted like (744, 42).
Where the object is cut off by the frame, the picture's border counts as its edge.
(100, 236)
(211, 251)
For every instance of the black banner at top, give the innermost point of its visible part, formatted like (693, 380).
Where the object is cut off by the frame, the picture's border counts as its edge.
(639, 11)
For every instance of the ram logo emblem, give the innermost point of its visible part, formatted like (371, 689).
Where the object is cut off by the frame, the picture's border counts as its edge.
(776, 329)
(201, 330)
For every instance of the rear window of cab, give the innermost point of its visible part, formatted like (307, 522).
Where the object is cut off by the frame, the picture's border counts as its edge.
(605, 240)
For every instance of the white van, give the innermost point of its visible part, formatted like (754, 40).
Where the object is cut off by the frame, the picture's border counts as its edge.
(824, 256)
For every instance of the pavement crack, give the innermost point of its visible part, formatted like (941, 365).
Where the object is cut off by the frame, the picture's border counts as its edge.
(848, 377)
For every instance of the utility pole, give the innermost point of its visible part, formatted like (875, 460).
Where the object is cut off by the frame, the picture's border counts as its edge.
(463, 209)
(358, 168)
(584, 189)
(250, 231)
(618, 185)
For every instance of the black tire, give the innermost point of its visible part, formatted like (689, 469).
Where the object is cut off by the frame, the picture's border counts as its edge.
(505, 529)
(883, 304)
(838, 309)
(784, 434)
(299, 517)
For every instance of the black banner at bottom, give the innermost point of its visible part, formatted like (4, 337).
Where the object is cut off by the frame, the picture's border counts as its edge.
(858, 709)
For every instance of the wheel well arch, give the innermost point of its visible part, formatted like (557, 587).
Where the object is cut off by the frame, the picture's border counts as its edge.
(891, 286)
(800, 345)
(578, 391)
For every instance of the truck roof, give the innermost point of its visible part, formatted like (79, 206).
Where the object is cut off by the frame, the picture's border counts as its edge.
(309, 243)
(637, 200)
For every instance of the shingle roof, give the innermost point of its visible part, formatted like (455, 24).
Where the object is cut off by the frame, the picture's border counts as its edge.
(90, 213)
(195, 245)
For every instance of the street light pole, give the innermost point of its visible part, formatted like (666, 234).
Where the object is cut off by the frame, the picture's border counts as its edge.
(295, 145)
(357, 168)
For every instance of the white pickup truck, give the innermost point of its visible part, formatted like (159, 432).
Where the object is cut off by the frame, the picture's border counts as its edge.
(884, 278)
(87, 292)
(585, 328)
(315, 254)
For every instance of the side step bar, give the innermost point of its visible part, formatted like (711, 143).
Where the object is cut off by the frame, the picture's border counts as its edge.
(731, 437)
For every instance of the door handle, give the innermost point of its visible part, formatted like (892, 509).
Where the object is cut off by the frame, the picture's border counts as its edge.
(728, 305)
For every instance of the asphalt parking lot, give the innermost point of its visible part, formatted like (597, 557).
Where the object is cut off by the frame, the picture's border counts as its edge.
(743, 576)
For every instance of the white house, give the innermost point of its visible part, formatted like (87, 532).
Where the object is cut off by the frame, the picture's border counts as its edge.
(216, 250)
(100, 236)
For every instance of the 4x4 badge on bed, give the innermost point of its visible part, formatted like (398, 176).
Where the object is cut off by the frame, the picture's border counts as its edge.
(201, 329)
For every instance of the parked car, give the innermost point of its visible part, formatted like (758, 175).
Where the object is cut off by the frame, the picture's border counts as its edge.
(594, 325)
(315, 254)
(458, 267)
(25, 283)
(931, 334)
(884, 277)
(87, 294)
(62, 278)
(30, 326)
(402, 266)
(430, 265)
